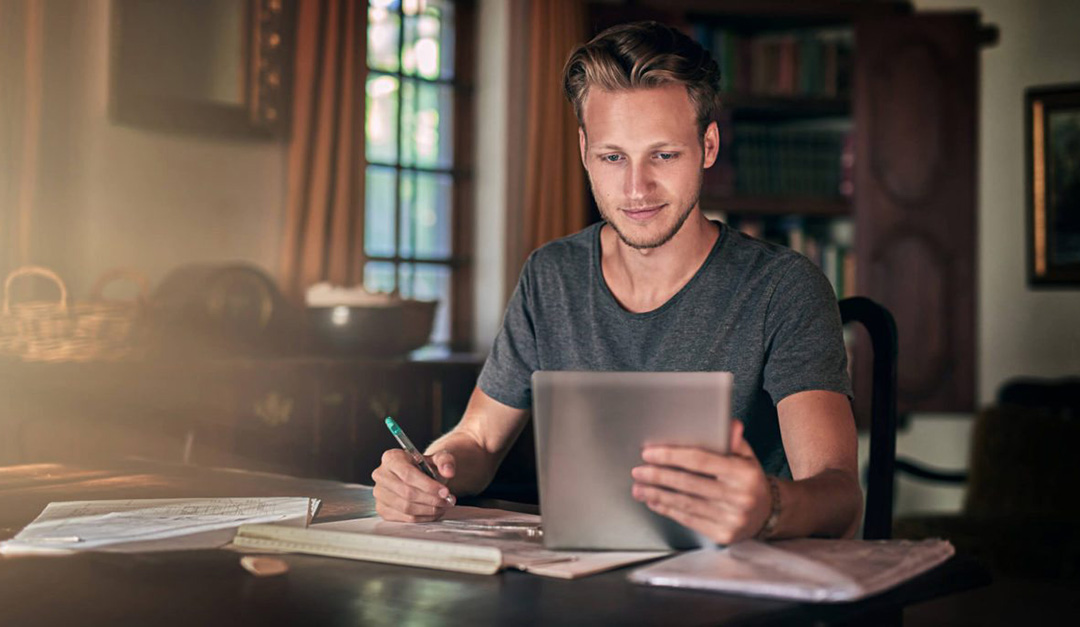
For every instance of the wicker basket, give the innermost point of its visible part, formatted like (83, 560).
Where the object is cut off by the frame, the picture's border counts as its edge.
(38, 330)
(94, 330)
(109, 327)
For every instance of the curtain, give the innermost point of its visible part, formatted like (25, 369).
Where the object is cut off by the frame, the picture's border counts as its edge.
(324, 227)
(554, 203)
(21, 51)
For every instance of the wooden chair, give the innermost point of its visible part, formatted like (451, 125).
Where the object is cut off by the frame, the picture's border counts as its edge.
(879, 323)
(1019, 515)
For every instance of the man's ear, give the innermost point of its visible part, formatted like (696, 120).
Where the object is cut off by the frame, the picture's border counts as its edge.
(582, 143)
(710, 145)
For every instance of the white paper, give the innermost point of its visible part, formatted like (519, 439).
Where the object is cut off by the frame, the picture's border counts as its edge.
(151, 524)
(807, 570)
(520, 550)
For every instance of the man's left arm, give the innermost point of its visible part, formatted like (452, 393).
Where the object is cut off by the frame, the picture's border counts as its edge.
(824, 497)
(728, 498)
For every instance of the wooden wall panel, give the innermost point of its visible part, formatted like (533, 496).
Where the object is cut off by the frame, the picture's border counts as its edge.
(916, 81)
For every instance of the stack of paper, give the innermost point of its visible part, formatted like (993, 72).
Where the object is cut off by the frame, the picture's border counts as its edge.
(151, 524)
(806, 570)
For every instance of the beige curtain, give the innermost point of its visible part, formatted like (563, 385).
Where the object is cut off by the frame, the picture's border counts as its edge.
(324, 225)
(554, 186)
(21, 51)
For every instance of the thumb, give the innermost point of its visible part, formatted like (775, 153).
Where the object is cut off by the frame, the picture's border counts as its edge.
(739, 445)
(445, 463)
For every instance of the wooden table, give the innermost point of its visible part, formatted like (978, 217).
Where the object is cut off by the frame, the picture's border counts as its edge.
(209, 588)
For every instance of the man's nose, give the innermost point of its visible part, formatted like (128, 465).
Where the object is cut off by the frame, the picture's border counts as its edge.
(639, 180)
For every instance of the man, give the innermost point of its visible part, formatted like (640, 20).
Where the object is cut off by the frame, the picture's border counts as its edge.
(658, 287)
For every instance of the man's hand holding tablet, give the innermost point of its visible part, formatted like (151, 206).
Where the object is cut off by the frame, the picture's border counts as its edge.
(723, 497)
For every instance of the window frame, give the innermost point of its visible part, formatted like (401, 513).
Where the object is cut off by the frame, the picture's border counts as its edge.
(462, 87)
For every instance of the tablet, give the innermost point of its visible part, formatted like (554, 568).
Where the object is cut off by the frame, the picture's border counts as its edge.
(590, 428)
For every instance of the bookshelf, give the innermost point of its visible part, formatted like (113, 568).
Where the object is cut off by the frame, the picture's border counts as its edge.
(850, 125)
(764, 107)
(780, 205)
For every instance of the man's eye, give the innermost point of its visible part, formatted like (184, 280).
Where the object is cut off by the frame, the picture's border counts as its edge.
(612, 158)
(666, 156)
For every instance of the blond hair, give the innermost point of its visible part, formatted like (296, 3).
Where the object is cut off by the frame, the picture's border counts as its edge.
(642, 55)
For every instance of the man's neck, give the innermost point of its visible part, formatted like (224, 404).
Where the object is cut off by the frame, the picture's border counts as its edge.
(644, 279)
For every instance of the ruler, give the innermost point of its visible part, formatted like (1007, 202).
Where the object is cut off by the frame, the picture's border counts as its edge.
(481, 560)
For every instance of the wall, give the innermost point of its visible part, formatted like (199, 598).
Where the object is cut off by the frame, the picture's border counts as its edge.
(111, 195)
(1021, 331)
(490, 211)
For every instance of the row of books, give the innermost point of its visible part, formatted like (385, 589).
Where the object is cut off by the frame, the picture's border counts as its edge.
(812, 63)
(761, 160)
(828, 242)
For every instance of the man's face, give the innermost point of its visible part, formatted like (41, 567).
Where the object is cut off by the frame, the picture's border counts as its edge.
(645, 160)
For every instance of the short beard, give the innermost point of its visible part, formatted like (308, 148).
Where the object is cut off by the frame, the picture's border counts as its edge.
(665, 237)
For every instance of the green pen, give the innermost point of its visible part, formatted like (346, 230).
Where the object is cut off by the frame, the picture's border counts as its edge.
(417, 457)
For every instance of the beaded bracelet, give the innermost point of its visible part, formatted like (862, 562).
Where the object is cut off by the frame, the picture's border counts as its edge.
(769, 527)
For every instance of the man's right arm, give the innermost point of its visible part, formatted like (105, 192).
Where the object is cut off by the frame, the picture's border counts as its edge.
(467, 457)
(480, 441)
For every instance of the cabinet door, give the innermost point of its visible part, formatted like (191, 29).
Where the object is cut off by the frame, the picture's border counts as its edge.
(381, 389)
(916, 81)
(270, 417)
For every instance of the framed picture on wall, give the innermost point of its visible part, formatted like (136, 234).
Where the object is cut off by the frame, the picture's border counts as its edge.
(1053, 194)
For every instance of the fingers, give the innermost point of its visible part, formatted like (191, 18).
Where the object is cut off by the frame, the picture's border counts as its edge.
(739, 445)
(404, 493)
(701, 461)
(715, 530)
(398, 463)
(716, 520)
(677, 480)
(687, 458)
(444, 462)
(706, 488)
(728, 470)
(391, 506)
(723, 496)
(419, 489)
(683, 502)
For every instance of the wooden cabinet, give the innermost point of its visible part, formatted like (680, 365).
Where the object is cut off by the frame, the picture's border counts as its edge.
(916, 106)
(310, 417)
(911, 107)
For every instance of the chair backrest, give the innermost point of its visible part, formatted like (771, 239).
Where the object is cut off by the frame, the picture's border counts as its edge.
(879, 323)
(1061, 395)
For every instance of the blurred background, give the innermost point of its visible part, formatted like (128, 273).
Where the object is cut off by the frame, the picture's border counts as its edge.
(185, 172)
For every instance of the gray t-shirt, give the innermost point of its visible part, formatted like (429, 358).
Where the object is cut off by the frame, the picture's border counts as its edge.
(760, 311)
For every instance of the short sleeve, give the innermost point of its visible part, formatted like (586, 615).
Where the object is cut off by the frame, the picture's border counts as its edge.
(803, 334)
(507, 373)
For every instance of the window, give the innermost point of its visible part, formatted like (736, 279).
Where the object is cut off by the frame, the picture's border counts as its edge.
(412, 179)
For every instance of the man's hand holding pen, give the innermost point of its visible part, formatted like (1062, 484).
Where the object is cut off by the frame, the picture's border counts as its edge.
(410, 486)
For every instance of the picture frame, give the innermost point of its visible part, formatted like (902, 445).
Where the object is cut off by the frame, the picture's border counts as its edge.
(237, 86)
(1053, 185)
